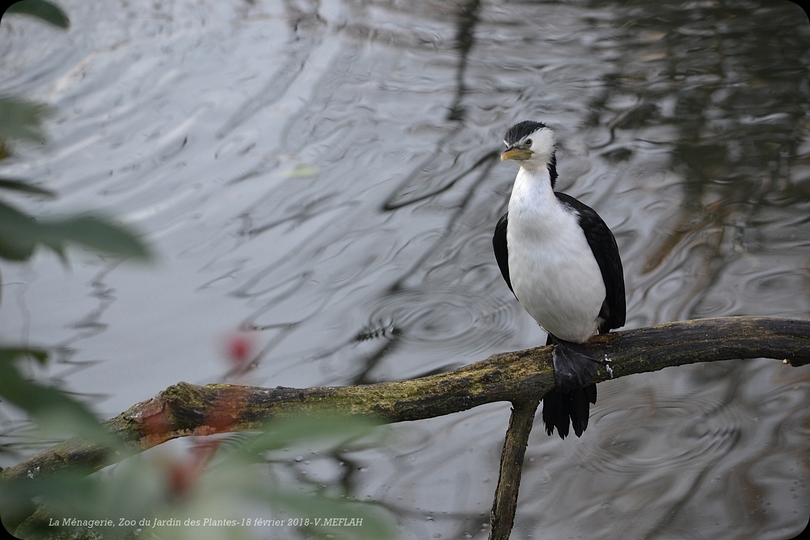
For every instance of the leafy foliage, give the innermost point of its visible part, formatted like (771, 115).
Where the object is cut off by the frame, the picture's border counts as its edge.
(24, 187)
(20, 234)
(230, 483)
(22, 119)
(157, 496)
(43, 10)
(45, 404)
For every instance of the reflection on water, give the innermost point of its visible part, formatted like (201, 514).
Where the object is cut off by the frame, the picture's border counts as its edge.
(326, 174)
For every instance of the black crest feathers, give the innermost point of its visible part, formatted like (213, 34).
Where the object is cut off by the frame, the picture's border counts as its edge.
(520, 130)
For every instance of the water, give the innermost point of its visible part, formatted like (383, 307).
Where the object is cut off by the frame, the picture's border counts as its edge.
(326, 173)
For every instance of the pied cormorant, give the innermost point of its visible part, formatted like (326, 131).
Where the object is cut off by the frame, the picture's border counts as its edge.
(562, 263)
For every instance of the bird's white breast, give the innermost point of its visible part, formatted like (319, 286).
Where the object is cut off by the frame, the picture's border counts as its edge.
(553, 272)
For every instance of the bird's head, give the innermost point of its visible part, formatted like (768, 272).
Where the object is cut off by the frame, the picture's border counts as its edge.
(532, 145)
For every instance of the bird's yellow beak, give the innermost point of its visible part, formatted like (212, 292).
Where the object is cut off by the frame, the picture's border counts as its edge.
(518, 154)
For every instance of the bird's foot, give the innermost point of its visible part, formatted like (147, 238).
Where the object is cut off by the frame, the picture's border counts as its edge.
(574, 365)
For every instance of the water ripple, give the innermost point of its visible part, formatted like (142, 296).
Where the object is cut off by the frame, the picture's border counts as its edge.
(438, 320)
(672, 434)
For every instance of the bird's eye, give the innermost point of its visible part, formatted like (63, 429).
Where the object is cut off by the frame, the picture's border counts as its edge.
(528, 142)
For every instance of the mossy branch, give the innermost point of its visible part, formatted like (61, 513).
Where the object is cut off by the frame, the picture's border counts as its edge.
(522, 376)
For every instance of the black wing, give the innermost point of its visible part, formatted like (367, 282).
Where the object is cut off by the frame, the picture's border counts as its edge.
(501, 250)
(604, 248)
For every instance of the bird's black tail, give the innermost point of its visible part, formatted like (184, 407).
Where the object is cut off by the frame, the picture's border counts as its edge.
(563, 409)
(569, 403)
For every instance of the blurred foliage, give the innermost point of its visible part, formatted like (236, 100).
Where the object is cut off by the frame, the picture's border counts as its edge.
(24, 187)
(241, 480)
(157, 496)
(41, 9)
(21, 119)
(20, 234)
(48, 406)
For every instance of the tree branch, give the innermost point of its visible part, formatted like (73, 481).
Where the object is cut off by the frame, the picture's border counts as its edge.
(185, 409)
(504, 503)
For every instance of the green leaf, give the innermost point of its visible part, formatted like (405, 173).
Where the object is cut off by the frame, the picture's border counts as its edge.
(44, 403)
(95, 233)
(9, 354)
(41, 9)
(21, 119)
(20, 234)
(25, 187)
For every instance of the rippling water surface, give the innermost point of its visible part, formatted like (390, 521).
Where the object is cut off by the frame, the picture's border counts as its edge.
(326, 173)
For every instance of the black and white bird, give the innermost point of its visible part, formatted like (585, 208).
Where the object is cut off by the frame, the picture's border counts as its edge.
(562, 263)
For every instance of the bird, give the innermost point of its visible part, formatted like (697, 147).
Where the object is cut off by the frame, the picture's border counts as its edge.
(562, 263)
